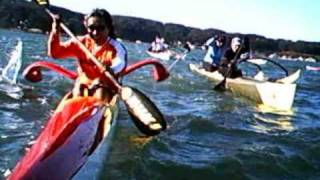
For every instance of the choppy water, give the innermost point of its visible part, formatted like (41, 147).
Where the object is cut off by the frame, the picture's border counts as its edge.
(211, 135)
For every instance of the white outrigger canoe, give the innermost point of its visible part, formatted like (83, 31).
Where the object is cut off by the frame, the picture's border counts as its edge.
(257, 61)
(165, 55)
(278, 95)
(312, 68)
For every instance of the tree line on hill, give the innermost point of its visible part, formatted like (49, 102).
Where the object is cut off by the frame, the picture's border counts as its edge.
(27, 16)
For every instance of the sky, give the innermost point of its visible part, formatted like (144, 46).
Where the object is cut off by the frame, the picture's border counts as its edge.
(278, 19)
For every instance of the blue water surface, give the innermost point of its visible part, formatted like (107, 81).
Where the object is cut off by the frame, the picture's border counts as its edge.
(211, 135)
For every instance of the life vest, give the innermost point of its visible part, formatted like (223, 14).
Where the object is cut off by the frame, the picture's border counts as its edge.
(111, 54)
(105, 54)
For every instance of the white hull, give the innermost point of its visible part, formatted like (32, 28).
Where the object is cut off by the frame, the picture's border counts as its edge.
(165, 55)
(257, 61)
(94, 167)
(312, 68)
(273, 94)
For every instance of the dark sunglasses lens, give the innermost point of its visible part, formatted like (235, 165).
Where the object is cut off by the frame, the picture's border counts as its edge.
(97, 28)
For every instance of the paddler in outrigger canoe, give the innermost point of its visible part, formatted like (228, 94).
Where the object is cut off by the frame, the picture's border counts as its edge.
(236, 52)
(159, 49)
(84, 117)
(270, 92)
(215, 47)
(102, 43)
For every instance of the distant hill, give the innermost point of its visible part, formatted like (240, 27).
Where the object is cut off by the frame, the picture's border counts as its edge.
(27, 16)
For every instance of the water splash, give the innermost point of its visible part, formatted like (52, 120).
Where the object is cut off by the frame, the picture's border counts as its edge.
(11, 71)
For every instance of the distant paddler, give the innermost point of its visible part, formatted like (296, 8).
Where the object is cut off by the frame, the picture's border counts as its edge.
(159, 49)
(215, 49)
(238, 50)
(158, 45)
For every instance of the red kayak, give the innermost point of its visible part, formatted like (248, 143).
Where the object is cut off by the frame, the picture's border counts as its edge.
(71, 135)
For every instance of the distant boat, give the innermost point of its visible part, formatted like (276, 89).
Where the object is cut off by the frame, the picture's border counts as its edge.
(164, 55)
(35, 30)
(312, 68)
(277, 95)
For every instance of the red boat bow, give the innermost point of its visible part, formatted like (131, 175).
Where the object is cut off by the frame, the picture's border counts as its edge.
(69, 138)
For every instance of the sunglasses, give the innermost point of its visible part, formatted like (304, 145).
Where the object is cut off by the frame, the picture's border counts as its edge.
(98, 28)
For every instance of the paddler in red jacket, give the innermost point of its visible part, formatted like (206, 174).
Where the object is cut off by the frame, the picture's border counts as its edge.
(101, 42)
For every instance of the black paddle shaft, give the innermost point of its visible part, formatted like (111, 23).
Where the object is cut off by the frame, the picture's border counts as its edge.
(221, 86)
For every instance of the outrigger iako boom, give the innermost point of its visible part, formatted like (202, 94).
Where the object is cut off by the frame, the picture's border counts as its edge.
(143, 111)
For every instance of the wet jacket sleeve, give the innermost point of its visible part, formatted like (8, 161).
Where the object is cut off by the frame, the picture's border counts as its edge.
(58, 49)
(227, 57)
(120, 60)
(209, 41)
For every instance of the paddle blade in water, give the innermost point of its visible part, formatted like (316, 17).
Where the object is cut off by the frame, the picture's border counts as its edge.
(221, 86)
(144, 113)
